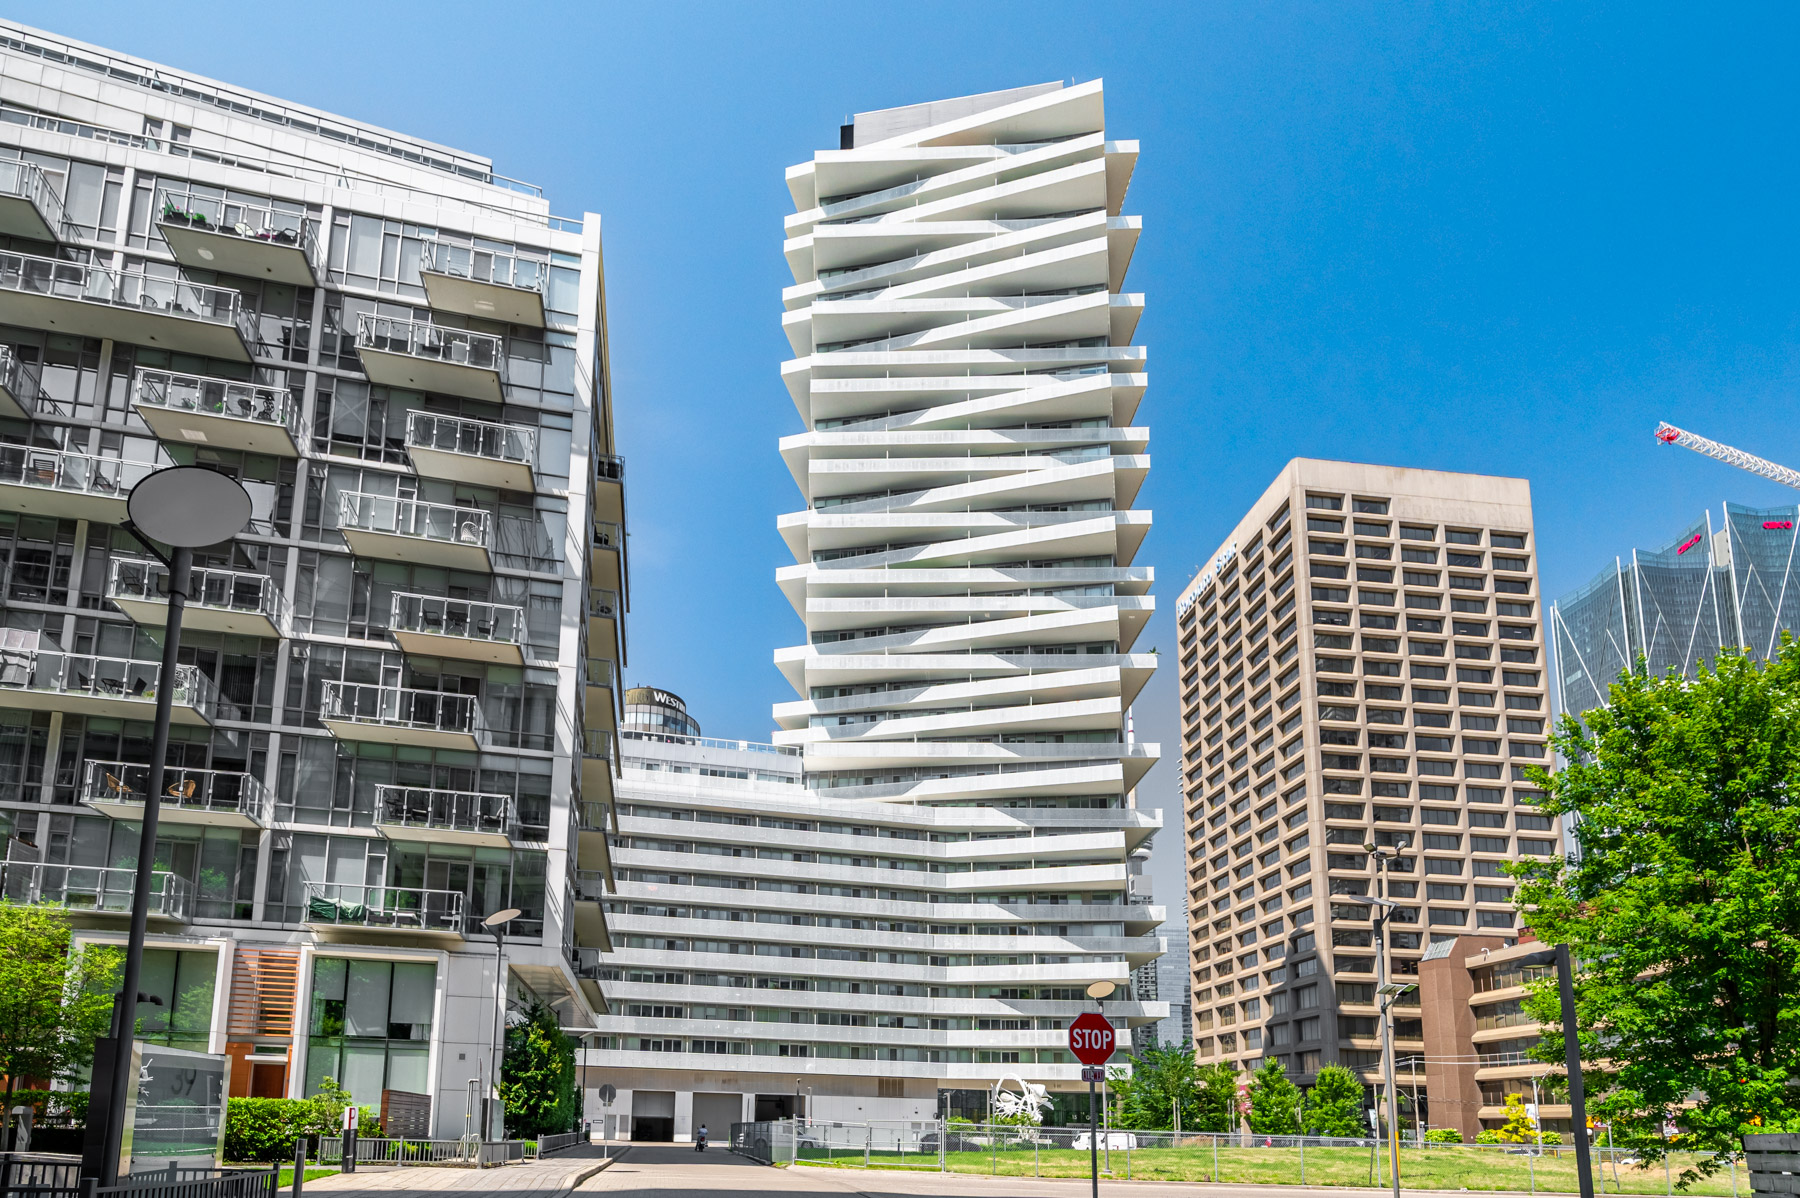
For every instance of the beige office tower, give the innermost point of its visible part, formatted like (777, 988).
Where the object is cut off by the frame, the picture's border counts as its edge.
(1362, 662)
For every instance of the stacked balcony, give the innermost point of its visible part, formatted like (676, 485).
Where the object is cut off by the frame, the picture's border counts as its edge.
(414, 813)
(96, 890)
(231, 601)
(433, 626)
(398, 529)
(420, 356)
(609, 488)
(606, 623)
(45, 481)
(257, 241)
(606, 556)
(479, 453)
(597, 766)
(29, 205)
(19, 387)
(489, 284)
(190, 409)
(587, 899)
(602, 699)
(590, 822)
(211, 798)
(398, 715)
(588, 971)
(81, 299)
(345, 911)
(86, 684)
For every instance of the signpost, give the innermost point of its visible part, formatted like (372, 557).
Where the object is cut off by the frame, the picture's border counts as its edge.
(1092, 1041)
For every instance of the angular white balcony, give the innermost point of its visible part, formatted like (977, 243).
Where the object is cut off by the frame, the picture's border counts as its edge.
(342, 911)
(602, 695)
(83, 684)
(19, 386)
(606, 556)
(478, 452)
(606, 617)
(609, 488)
(398, 715)
(589, 970)
(233, 601)
(29, 204)
(412, 530)
(70, 486)
(591, 822)
(258, 241)
(444, 816)
(83, 300)
(587, 898)
(461, 628)
(596, 766)
(428, 357)
(96, 890)
(214, 798)
(490, 284)
(189, 409)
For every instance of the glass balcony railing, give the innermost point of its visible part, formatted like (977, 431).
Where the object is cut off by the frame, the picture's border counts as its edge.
(609, 468)
(235, 591)
(589, 886)
(590, 817)
(420, 339)
(389, 908)
(484, 266)
(596, 745)
(23, 180)
(60, 470)
(229, 399)
(199, 792)
(94, 888)
(426, 811)
(400, 707)
(601, 672)
(433, 615)
(19, 381)
(604, 605)
(51, 672)
(250, 222)
(135, 290)
(609, 535)
(471, 438)
(359, 511)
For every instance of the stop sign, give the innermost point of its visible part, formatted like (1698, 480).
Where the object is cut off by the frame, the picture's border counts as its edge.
(1091, 1039)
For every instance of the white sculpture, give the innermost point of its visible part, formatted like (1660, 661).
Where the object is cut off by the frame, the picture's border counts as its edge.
(1030, 1100)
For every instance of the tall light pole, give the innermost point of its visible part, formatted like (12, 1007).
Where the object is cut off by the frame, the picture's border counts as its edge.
(185, 508)
(1387, 992)
(496, 923)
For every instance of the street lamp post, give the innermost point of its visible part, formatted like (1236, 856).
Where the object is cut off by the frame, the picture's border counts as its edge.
(1388, 992)
(185, 508)
(1098, 991)
(496, 923)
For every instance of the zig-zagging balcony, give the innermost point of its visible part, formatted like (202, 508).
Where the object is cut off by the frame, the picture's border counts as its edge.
(433, 626)
(609, 488)
(597, 766)
(214, 798)
(606, 556)
(96, 890)
(589, 968)
(399, 715)
(233, 601)
(258, 241)
(19, 386)
(602, 699)
(69, 486)
(590, 823)
(419, 356)
(444, 816)
(478, 452)
(340, 911)
(490, 284)
(606, 623)
(191, 409)
(398, 529)
(84, 300)
(587, 899)
(29, 204)
(84, 684)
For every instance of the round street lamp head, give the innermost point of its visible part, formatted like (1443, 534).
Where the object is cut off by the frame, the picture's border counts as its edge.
(1099, 990)
(188, 506)
(503, 916)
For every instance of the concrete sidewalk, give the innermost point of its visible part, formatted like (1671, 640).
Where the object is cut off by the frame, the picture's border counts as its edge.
(554, 1175)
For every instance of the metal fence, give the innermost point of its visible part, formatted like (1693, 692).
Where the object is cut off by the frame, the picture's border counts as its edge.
(558, 1142)
(42, 1175)
(471, 1153)
(1236, 1158)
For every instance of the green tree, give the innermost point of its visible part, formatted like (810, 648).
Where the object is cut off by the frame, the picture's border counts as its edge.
(1334, 1105)
(1274, 1101)
(1518, 1126)
(537, 1077)
(55, 998)
(1682, 908)
(1144, 1097)
(1218, 1101)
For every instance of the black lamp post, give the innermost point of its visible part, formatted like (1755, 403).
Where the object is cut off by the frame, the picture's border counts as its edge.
(185, 508)
(496, 923)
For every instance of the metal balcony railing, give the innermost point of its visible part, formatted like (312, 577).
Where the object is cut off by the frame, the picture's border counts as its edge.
(94, 888)
(475, 438)
(601, 672)
(400, 707)
(609, 468)
(219, 590)
(19, 379)
(239, 218)
(420, 339)
(590, 885)
(604, 605)
(60, 470)
(608, 535)
(53, 672)
(229, 398)
(484, 266)
(394, 908)
(222, 792)
(435, 615)
(426, 810)
(597, 744)
(589, 817)
(136, 289)
(27, 181)
(394, 516)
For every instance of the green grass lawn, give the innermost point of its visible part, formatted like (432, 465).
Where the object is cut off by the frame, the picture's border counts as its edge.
(312, 1171)
(1426, 1169)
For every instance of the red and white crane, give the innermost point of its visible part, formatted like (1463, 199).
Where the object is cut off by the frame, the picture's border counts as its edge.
(1668, 434)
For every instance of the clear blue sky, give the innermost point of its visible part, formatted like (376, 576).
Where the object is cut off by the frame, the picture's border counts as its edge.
(1499, 238)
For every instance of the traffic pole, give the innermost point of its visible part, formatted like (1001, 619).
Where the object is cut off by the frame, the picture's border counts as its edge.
(1093, 1134)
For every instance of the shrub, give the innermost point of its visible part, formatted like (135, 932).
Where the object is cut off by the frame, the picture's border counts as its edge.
(1550, 1137)
(264, 1129)
(58, 1105)
(1489, 1136)
(1443, 1135)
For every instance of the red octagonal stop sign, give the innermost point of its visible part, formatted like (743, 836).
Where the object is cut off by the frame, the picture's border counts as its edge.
(1091, 1039)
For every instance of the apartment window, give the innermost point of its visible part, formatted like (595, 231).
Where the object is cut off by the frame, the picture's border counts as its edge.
(1374, 507)
(1326, 503)
(371, 1026)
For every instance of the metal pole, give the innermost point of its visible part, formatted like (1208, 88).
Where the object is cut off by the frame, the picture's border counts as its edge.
(1387, 1026)
(1565, 985)
(299, 1164)
(1094, 1137)
(125, 1012)
(487, 1130)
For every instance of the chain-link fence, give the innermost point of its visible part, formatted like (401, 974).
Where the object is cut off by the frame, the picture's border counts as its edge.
(1012, 1151)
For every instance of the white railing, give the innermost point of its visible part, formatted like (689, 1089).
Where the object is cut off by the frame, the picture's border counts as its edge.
(20, 380)
(402, 908)
(400, 707)
(230, 398)
(51, 671)
(604, 604)
(590, 885)
(217, 590)
(421, 339)
(229, 792)
(238, 218)
(609, 468)
(709, 742)
(484, 266)
(93, 888)
(136, 289)
(27, 181)
(443, 810)
(467, 619)
(476, 438)
(608, 535)
(392, 515)
(60, 470)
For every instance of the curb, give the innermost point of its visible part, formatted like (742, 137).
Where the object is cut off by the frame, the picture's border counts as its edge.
(576, 1178)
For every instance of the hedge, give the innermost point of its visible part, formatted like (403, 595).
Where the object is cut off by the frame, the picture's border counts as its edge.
(46, 1104)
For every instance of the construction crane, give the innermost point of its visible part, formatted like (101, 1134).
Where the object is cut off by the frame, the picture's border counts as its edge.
(1668, 434)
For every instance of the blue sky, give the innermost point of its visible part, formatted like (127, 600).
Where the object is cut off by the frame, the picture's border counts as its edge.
(1497, 238)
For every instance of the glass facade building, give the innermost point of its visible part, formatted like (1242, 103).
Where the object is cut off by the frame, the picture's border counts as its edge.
(397, 701)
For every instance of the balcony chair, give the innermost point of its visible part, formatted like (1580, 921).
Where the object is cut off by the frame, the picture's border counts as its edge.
(182, 790)
(118, 789)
